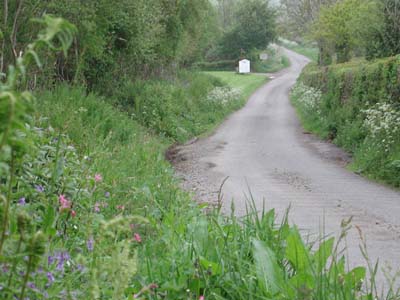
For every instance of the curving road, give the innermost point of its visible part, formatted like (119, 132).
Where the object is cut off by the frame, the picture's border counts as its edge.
(263, 149)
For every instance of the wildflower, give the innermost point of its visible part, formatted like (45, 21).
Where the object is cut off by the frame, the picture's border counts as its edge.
(73, 213)
(97, 207)
(201, 297)
(121, 207)
(50, 277)
(137, 237)
(50, 260)
(90, 244)
(64, 203)
(5, 268)
(62, 257)
(39, 188)
(80, 268)
(98, 178)
(107, 194)
(31, 285)
(21, 201)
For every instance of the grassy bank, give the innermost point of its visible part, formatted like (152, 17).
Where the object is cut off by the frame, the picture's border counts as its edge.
(247, 84)
(356, 105)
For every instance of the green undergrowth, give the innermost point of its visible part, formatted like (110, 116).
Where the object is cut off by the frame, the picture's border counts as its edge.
(276, 61)
(357, 106)
(182, 107)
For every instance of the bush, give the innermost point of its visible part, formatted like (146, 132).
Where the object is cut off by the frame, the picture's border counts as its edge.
(221, 65)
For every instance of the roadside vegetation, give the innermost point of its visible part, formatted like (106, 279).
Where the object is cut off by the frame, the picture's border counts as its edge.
(351, 95)
(357, 107)
(246, 84)
(89, 207)
(275, 62)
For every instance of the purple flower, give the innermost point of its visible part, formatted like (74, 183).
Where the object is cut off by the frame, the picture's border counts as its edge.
(21, 201)
(5, 268)
(50, 260)
(39, 188)
(31, 285)
(50, 277)
(62, 257)
(97, 207)
(107, 194)
(80, 268)
(90, 244)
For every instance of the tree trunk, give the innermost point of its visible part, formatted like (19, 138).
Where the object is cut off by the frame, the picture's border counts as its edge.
(13, 36)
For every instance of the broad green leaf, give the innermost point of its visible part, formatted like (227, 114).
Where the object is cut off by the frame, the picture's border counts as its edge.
(356, 276)
(268, 271)
(322, 254)
(296, 251)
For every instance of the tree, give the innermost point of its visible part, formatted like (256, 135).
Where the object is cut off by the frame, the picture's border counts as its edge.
(298, 15)
(345, 26)
(254, 28)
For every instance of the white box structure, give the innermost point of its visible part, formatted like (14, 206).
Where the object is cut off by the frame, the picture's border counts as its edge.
(244, 66)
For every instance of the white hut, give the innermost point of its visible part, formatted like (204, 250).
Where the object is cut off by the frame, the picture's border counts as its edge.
(244, 66)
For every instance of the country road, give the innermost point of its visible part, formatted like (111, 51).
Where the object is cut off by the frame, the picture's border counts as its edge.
(263, 149)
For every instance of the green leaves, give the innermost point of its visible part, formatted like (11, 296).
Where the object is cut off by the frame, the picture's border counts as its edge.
(268, 271)
(57, 33)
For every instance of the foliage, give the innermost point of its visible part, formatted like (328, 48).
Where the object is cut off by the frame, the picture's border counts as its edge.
(254, 29)
(179, 108)
(385, 41)
(276, 61)
(124, 38)
(359, 110)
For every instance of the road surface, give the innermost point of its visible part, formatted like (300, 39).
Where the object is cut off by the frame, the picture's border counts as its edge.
(263, 149)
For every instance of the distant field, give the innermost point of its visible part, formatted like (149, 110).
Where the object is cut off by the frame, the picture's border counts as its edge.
(247, 83)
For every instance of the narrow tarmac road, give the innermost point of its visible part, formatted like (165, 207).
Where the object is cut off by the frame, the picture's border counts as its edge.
(263, 149)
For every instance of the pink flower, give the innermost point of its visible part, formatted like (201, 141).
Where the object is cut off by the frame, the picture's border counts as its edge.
(137, 237)
(201, 297)
(97, 207)
(98, 177)
(73, 213)
(64, 203)
(121, 207)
